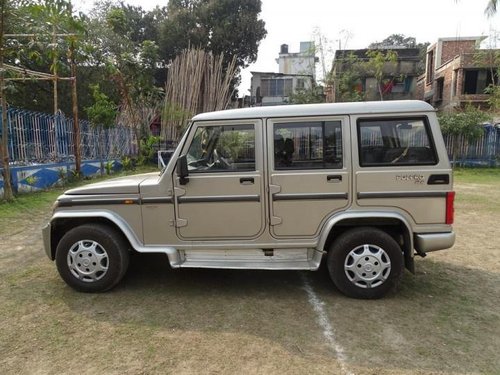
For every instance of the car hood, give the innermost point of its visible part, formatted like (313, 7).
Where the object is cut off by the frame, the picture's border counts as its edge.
(121, 185)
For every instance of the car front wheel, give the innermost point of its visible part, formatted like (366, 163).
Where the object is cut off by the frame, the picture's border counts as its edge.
(92, 257)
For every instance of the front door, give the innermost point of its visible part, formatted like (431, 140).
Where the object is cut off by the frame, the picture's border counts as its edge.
(224, 196)
(308, 167)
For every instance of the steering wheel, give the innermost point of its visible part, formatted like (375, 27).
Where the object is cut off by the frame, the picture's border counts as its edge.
(219, 161)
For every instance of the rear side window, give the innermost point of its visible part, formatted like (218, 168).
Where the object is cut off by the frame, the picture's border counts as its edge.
(308, 145)
(393, 142)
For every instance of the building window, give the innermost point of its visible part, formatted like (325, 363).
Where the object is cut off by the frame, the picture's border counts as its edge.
(300, 84)
(430, 67)
(439, 89)
(401, 84)
(454, 84)
(476, 81)
(277, 87)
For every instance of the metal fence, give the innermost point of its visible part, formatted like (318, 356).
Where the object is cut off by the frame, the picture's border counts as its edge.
(36, 137)
(485, 151)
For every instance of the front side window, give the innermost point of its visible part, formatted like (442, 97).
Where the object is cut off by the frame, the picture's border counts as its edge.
(308, 145)
(222, 148)
(393, 142)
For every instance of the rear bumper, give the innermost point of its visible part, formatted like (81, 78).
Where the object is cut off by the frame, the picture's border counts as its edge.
(46, 240)
(428, 242)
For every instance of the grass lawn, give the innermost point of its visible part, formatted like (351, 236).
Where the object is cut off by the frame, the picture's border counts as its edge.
(445, 319)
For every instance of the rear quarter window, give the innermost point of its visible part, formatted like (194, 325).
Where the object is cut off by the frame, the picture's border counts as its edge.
(395, 142)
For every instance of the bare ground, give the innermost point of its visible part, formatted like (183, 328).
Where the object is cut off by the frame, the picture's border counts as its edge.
(443, 320)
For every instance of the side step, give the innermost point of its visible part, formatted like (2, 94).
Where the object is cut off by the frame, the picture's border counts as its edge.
(261, 259)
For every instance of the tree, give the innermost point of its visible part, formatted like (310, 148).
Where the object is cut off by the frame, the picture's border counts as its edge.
(228, 27)
(395, 41)
(130, 61)
(308, 96)
(346, 79)
(8, 194)
(402, 41)
(491, 8)
(102, 115)
(376, 66)
(464, 126)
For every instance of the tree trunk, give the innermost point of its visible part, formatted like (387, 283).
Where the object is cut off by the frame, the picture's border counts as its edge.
(8, 193)
(76, 124)
(381, 93)
(101, 148)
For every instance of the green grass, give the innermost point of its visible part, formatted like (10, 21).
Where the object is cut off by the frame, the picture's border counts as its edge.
(477, 175)
(29, 202)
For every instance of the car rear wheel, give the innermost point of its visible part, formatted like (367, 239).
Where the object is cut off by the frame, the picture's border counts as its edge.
(92, 257)
(365, 263)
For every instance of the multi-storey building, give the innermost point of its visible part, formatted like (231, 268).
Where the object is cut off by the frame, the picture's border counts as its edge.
(457, 73)
(296, 72)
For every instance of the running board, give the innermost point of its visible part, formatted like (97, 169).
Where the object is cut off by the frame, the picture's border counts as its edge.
(260, 259)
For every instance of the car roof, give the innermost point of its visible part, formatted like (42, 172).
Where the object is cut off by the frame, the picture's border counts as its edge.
(325, 109)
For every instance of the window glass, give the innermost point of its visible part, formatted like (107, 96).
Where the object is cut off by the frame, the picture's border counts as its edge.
(276, 87)
(308, 145)
(395, 142)
(222, 148)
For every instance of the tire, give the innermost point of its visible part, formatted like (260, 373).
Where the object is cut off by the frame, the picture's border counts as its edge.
(365, 263)
(92, 258)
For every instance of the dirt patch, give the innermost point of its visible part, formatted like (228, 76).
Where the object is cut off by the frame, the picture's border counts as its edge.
(443, 320)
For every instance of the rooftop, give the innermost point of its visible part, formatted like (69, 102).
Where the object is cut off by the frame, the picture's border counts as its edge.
(326, 109)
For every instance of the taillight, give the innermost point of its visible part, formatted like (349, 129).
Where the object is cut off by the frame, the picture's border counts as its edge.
(450, 210)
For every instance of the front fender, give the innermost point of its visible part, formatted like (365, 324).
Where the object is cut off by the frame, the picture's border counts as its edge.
(119, 223)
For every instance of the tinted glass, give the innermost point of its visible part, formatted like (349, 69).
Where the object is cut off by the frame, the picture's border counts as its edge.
(308, 145)
(395, 142)
(222, 148)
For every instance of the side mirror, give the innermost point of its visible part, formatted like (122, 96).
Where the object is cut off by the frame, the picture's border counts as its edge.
(182, 170)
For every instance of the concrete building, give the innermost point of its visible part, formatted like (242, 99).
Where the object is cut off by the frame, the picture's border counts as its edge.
(457, 72)
(399, 81)
(297, 71)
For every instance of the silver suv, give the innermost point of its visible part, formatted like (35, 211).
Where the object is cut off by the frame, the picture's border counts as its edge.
(365, 185)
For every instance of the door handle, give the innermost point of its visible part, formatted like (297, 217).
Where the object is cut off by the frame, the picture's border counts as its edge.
(246, 180)
(334, 178)
(438, 179)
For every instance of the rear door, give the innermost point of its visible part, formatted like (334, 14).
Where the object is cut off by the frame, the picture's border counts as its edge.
(308, 173)
(398, 166)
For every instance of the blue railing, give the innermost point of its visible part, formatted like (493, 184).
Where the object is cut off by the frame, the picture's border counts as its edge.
(36, 137)
(485, 151)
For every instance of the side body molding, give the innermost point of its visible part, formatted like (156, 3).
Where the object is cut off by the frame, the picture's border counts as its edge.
(362, 215)
(172, 253)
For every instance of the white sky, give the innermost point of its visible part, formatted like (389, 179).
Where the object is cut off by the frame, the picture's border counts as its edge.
(354, 23)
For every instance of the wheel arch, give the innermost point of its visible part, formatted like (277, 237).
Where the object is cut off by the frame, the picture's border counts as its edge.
(62, 222)
(392, 223)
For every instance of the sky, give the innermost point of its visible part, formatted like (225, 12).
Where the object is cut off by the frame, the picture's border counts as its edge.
(352, 24)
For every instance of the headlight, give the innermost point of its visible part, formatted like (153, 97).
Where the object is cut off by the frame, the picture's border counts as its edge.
(54, 206)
